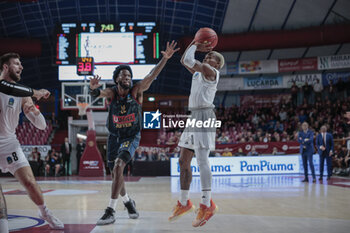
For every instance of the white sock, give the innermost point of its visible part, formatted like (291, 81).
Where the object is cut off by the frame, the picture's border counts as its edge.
(42, 209)
(4, 225)
(206, 196)
(125, 198)
(113, 203)
(184, 196)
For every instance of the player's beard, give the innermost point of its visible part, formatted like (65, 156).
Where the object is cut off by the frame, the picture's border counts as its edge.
(14, 76)
(125, 87)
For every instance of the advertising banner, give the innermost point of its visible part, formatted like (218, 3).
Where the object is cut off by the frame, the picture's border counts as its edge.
(43, 149)
(230, 84)
(258, 67)
(244, 165)
(333, 62)
(259, 165)
(334, 77)
(301, 79)
(297, 64)
(251, 83)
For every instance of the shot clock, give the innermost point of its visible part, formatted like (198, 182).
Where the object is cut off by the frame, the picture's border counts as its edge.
(85, 66)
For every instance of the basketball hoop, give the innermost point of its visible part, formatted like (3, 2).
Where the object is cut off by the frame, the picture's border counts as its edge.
(82, 108)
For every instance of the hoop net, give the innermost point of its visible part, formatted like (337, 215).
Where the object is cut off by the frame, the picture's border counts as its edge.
(82, 108)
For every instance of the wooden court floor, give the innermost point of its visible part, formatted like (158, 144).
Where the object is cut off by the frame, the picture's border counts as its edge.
(275, 203)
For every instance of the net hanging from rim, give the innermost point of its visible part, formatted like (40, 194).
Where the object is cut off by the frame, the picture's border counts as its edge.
(82, 108)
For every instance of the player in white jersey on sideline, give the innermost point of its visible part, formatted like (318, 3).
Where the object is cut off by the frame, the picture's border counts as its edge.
(14, 98)
(199, 141)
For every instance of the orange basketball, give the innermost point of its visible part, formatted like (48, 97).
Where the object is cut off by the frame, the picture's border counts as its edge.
(205, 35)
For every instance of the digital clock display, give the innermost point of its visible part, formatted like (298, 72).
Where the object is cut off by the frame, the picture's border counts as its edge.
(85, 65)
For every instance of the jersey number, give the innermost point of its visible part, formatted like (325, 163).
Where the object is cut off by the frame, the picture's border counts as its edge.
(14, 155)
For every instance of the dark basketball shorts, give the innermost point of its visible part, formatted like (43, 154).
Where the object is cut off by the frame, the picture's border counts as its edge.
(116, 147)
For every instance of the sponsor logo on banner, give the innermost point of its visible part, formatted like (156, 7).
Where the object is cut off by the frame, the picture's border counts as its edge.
(244, 165)
(262, 82)
(301, 79)
(333, 62)
(258, 67)
(288, 65)
(334, 77)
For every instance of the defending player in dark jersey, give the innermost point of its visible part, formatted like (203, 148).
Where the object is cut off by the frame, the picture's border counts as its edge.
(124, 126)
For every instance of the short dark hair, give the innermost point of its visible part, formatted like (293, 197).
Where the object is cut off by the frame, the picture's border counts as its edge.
(4, 59)
(120, 68)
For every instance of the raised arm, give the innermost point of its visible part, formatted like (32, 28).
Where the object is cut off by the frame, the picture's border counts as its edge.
(193, 65)
(96, 92)
(19, 90)
(167, 54)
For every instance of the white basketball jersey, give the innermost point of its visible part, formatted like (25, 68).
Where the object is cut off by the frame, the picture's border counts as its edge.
(203, 91)
(10, 108)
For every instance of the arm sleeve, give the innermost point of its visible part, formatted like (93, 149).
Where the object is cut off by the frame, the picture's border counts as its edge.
(311, 138)
(189, 56)
(300, 140)
(15, 89)
(38, 121)
(332, 143)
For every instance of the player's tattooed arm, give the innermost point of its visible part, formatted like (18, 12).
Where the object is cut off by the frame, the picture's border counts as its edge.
(167, 54)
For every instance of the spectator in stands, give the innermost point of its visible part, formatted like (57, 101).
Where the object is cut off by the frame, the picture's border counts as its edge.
(80, 150)
(176, 153)
(278, 127)
(318, 88)
(227, 153)
(52, 162)
(162, 155)
(307, 92)
(35, 161)
(302, 116)
(34, 155)
(253, 152)
(66, 149)
(240, 152)
(283, 115)
(223, 139)
(140, 155)
(274, 151)
(294, 91)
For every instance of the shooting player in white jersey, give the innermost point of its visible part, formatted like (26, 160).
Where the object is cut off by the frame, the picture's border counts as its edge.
(199, 141)
(14, 98)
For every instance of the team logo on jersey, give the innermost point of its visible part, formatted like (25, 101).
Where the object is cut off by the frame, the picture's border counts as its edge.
(151, 120)
(11, 101)
(9, 160)
(196, 75)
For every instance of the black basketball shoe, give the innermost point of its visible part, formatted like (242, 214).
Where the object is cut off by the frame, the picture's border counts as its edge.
(108, 217)
(131, 207)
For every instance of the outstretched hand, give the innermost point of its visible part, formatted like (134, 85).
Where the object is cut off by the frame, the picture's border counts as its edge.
(170, 49)
(94, 82)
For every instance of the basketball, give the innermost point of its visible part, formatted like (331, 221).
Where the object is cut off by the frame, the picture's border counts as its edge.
(205, 35)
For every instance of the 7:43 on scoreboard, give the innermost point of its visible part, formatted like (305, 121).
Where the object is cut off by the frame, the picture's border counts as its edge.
(85, 66)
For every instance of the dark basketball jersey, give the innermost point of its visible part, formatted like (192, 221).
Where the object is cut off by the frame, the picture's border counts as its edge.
(124, 116)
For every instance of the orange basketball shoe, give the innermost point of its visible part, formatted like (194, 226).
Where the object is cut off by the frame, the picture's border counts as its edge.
(204, 213)
(180, 210)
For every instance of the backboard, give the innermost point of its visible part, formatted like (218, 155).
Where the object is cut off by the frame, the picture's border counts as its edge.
(74, 93)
